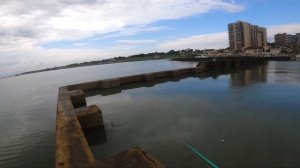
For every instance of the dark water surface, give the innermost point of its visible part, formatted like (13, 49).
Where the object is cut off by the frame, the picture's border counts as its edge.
(28, 108)
(256, 112)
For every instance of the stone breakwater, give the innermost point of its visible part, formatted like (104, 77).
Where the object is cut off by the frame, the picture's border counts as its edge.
(74, 116)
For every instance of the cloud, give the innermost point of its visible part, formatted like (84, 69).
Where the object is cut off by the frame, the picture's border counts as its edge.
(13, 61)
(133, 42)
(128, 31)
(216, 40)
(54, 20)
(80, 44)
(25, 25)
(287, 28)
(220, 40)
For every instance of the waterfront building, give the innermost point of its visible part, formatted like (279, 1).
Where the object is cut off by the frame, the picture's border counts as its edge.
(298, 40)
(243, 35)
(280, 39)
(287, 40)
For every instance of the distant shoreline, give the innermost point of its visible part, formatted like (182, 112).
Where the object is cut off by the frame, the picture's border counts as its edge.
(77, 66)
(140, 57)
(133, 58)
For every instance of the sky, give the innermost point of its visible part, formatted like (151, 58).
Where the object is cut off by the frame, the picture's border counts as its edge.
(42, 34)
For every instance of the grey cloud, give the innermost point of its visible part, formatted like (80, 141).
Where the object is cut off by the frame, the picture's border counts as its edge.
(26, 32)
(52, 7)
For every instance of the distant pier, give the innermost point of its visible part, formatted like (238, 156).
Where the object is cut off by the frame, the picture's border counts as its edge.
(221, 58)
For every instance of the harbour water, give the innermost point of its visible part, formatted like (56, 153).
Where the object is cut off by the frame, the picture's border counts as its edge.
(248, 118)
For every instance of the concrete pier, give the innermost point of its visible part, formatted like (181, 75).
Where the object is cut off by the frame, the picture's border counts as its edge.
(239, 57)
(89, 117)
(116, 82)
(73, 117)
(72, 148)
(227, 64)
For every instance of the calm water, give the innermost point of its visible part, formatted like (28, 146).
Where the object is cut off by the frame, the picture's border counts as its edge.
(254, 111)
(28, 108)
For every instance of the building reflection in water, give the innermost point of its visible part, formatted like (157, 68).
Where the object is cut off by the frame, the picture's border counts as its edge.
(245, 77)
(284, 72)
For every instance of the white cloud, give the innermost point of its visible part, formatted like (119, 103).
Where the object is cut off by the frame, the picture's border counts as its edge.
(27, 23)
(80, 44)
(128, 31)
(68, 20)
(133, 42)
(287, 28)
(220, 40)
(216, 40)
(13, 61)
(16, 59)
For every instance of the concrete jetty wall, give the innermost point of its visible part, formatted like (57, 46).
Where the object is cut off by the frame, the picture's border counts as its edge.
(72, 148)
(74, 117)
(116, 82)
(226, 64)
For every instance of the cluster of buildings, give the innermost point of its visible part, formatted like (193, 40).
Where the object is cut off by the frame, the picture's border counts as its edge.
(288, 40)
(250, 39)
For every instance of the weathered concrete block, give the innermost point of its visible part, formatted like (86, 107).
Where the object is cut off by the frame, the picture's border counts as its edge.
(132, 158)
(84, 86)
(77, 97)
(198, 70)
(201, 65)
(185, 71)
(131, 79)
(110, 83)
(89, 117)
(162, 74)
(115, 83)
(174, 73)
(148, 77)
(72, 150)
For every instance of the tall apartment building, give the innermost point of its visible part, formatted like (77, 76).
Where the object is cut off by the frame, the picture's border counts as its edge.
(243, 35)
(287, 40)
(280, 39)
(298, 40)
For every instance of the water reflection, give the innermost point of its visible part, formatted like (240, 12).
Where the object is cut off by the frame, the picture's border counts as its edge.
(260, 124)
(117, 90)
(245, 76)
(96, 137)
(284, 72)
(28, 114)
(257, 74)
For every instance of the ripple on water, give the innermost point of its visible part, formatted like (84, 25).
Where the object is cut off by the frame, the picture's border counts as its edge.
(21, 137)
(11, 152)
